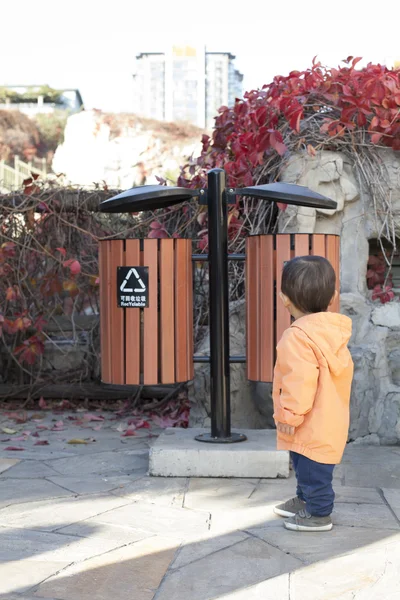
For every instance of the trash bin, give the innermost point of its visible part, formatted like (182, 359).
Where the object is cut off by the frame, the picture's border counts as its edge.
(267, 318)
(146, 311)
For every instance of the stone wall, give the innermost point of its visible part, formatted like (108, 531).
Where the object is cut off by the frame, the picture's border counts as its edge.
(375, 402)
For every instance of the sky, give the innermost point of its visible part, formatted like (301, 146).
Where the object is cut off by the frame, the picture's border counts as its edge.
(92, 45)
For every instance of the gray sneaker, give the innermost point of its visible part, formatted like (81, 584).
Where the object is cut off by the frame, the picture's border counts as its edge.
(303, 521)
(289, 508)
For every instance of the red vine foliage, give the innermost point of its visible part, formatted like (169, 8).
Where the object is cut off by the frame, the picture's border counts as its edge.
(379, 280)
(266, 122)
(341, 109)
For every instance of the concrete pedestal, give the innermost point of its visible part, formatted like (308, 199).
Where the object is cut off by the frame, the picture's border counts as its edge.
(177, 454)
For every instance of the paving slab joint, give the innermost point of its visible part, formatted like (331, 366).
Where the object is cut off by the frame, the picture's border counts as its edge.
(382, 495)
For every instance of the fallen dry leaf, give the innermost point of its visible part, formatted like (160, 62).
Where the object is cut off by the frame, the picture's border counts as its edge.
(164, 422)
(77, 441)
(18, 417)
(139, 423)
(41, 443)
(8, 431)
(129, 433)
(90, 417)
(59, 426)
(13, 449)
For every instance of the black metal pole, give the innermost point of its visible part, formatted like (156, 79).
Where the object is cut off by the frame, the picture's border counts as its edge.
(219, 313)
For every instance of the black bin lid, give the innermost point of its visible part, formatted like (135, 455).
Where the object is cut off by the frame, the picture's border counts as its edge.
(288, 193)
(147, 197)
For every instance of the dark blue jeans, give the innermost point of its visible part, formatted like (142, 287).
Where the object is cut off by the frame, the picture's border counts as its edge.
(314, 484)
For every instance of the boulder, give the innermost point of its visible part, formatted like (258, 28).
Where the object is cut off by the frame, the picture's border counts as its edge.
(245, 402)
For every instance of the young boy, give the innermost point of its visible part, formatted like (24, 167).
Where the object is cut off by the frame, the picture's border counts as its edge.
(311, 391)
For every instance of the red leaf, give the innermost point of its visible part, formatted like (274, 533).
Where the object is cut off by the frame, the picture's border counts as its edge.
(74, 266)
(12, 294)
(8, 325)
(375, 260)
(156, 225)
(9, 249)
(129, 433)
(13, 449)
(28, 186)
(261, 116)
(158, 234)
(276, 142)
(65, 404)
(384, 294)
(374, 122)
(59, 426)
(295, 120)
(40, 323)
(203, 243)
(263, 140)
(22, 323)
(325, 127)
(63, 251)
(376, 138)
(139, 423)
(41, 443)
(90, 417)
(42, 403)
(281, 206)
(18, 417)
(164, 422)
(30, 349)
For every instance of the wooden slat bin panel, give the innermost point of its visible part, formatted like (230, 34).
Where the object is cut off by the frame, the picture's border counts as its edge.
(152, 345)
(267, 318)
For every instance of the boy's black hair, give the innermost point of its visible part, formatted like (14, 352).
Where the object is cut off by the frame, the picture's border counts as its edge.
(309, 283)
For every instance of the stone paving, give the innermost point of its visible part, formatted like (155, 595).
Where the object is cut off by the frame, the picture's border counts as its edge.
(84, 522)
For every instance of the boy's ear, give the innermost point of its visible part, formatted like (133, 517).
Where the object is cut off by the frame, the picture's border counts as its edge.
(284, 299)
(334, 297)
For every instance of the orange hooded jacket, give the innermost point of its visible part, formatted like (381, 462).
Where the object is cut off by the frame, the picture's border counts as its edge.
(312, 385)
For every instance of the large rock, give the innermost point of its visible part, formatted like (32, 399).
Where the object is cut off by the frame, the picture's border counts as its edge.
(387, 315)
(244, 410)
(123, 150)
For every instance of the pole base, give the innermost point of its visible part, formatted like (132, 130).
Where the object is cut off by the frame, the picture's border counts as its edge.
(232, 439)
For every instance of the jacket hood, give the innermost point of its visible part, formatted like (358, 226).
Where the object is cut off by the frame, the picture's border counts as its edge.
(331, 332)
